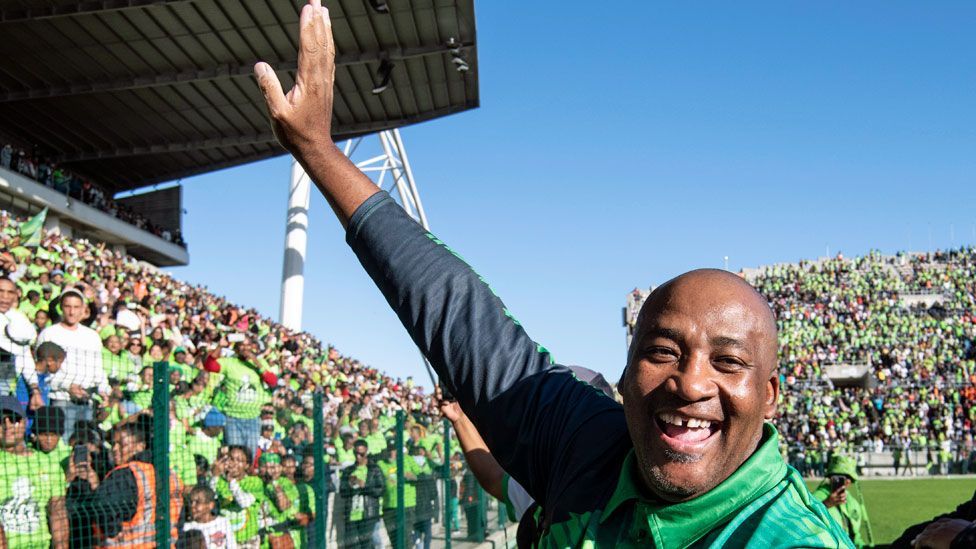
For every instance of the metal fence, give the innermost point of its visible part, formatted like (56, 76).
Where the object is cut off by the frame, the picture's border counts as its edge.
(97, 453)
(912, 460)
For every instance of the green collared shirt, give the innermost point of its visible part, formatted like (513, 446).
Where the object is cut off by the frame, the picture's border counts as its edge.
(763, 504)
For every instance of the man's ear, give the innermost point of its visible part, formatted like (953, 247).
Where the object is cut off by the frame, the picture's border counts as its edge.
(772, 395)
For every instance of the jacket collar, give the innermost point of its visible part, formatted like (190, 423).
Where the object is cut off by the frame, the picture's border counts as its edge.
(694, 518)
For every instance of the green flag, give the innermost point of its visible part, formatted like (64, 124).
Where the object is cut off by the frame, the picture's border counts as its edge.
(30, 231)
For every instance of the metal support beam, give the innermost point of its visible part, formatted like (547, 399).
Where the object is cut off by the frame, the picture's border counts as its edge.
(257, 138)
(296, 244)
(393, 162)
(226, 70)
(78, 8)
(163, 148)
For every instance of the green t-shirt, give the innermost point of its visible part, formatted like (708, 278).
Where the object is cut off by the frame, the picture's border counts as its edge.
(306, 504)
(29, 309)
(180, 456)
(242, 393)
(344, 456)
(244, 521)
(376, 443)
(57, 456)
(357, 509)
(301, 418)
(143, 398)
(202, 445)
(268, 508)
(118, 366)
(389, 470)
(27, 485)
(21, 253)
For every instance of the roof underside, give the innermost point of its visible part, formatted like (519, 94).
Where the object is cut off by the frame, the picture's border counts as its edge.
(134, 92)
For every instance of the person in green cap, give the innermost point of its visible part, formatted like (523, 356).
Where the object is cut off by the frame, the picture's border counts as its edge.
(841, 495)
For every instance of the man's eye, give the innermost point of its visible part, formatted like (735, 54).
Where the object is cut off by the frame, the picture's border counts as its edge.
(661, 353)
(729, 363)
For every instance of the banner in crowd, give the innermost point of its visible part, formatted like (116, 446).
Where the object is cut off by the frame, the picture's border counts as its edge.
(30, 231)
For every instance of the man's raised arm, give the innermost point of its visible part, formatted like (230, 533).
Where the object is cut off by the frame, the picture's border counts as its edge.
(527, 410)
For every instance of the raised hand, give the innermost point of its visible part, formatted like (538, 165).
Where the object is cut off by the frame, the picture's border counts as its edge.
(302, 118)
(450, 409)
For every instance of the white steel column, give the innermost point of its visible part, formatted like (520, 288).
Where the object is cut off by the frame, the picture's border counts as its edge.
(296, 242)
(392, 160)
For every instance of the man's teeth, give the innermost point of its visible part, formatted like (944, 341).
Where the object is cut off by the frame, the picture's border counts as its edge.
(691, 423)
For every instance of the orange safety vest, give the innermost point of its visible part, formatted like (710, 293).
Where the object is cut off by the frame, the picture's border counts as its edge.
(139, 532)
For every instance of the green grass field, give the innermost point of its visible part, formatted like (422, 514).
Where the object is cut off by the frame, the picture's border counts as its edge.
(893, 505)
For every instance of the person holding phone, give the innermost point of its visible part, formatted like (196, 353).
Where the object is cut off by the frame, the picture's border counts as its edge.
(841, 495)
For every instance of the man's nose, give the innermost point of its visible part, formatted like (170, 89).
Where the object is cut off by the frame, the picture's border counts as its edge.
(693, 379)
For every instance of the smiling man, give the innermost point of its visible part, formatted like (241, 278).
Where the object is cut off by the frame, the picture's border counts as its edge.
(701, 379)
(688, 461)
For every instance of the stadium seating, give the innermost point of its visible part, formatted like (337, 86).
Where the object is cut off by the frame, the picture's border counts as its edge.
(63, 181)
(237, 380)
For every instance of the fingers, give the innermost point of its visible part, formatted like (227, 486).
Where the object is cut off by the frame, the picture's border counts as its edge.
(315, 56)
(270, 87)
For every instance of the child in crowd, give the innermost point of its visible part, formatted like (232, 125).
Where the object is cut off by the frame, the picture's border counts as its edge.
(216, 529)
(48, 358)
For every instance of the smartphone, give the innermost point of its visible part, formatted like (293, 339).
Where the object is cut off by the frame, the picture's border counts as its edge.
(446, 393)
(235, 338)
(80, 454)
(837, 481)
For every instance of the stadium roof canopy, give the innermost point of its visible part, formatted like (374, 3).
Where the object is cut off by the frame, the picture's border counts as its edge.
(135, 92)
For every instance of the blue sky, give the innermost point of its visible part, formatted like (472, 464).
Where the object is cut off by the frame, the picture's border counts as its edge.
(620, 146)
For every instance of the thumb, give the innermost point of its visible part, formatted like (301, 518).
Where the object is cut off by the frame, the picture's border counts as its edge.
(271, 87)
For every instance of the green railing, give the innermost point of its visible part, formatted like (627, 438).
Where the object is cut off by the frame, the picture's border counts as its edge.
(412, 488)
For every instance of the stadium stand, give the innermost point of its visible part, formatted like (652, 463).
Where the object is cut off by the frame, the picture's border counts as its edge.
(75, 463)
(51, 175)
(877, 359)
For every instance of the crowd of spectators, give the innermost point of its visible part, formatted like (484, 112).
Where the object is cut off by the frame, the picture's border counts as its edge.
(910, 321)
(81, 328)
(50, 174)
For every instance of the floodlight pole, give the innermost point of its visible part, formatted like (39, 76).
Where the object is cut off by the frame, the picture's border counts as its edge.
(392, 161)
(296, 243)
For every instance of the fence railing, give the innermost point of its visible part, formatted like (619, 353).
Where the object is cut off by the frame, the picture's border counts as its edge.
(98, 453)
(913, 460)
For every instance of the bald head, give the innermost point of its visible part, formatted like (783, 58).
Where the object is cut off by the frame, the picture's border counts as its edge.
(704, 350)
(718, 291)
